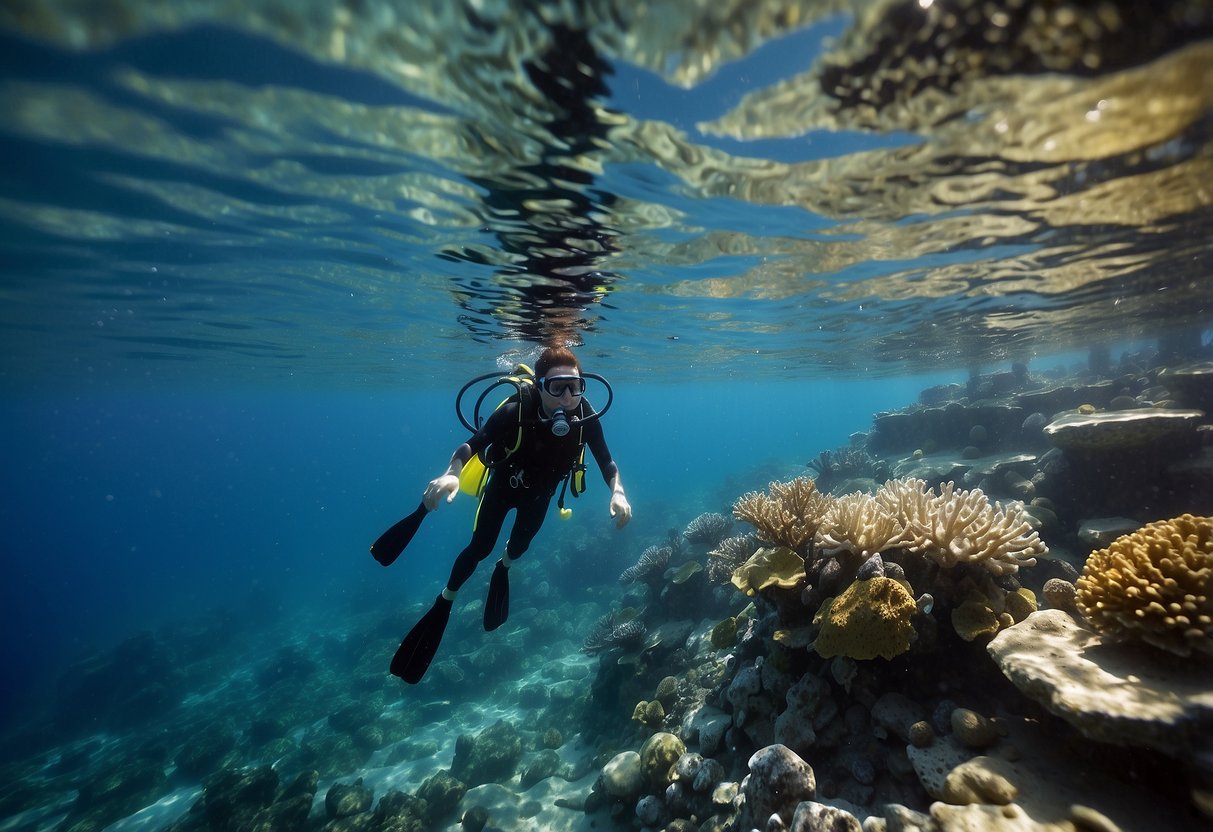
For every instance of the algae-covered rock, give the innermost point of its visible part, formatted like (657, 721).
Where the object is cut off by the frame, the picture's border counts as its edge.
(657, 758)
(724, 634)
(345, 799)
(489, 757)
(623, 776)
(974, 619)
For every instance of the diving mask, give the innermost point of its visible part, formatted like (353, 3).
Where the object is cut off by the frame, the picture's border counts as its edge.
(559, 385)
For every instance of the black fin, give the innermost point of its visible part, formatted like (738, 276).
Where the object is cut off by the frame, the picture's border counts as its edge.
(392, 542)
(415, 653)
(497, 605)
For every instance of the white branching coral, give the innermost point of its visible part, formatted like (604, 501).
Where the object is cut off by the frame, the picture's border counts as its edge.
(961, 526)
(860, 524)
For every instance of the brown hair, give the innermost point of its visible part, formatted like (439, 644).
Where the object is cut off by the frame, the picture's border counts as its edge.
(555, 357)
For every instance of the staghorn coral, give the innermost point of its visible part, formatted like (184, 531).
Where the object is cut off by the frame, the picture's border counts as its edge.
(964, 527)
(729, 554)
(707, 528)
(787, 515)
(871, 618)
(859, 524)
(1154, 586)
(611, 631)
(652, 561)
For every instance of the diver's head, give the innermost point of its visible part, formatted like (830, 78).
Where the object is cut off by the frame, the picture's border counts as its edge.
(558, 376)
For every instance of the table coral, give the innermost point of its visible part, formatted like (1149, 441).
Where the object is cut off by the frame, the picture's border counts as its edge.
(1154, 586)
(777, 566)
(871, 618)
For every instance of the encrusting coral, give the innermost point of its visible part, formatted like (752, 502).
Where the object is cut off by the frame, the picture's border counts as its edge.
(1154, 586)
(787, 515)
(871, 618)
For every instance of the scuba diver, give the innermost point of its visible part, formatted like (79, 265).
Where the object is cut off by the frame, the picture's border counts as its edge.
(526, 448)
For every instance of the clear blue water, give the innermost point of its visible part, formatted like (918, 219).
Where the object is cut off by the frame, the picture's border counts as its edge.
(248, 257)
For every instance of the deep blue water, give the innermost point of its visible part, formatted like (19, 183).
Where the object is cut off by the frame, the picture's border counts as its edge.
(130, 510)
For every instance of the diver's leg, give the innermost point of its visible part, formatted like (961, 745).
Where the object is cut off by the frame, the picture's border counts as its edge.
(490, 517)
(527, 521)
(419, 647)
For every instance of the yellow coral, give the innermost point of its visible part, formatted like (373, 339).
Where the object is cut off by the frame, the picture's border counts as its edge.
(870, 618)
(975, 618)
(1154, 585)
(860, 524)
(777, 566)
(788, 515)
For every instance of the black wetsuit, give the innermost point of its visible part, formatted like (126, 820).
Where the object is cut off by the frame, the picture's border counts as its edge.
(524, 481)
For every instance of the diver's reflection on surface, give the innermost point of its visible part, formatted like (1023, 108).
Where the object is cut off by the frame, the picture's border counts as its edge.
(545, 216)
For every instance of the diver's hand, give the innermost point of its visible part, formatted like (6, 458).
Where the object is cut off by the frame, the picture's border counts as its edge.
(621, 509)
(447, 484)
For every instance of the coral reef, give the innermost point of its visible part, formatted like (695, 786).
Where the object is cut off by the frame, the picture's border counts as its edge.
(708, 529)
(652, 563)
(962, 526)
(859, 524)
(729, 554)
(1154, 585)
(614, 631)
(787, 515)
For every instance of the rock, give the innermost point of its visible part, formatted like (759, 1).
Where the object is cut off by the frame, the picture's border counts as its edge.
(933, 763)
(709, 776)
(979, 781)
(1099, 532)
(545, 764)
(778, 781)
(345, 799)
(657, 758)
(441, 794)
(895, 713)
(921, 734)
(817, 817)
(1120, 429)
(1121, 694)
(707, 726)
(650, 810)
(490, 757)
(972, 729)
(623, 776)
(809, 708)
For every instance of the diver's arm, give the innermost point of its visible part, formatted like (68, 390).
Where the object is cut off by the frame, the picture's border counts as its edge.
(621, 510)
(447, 484)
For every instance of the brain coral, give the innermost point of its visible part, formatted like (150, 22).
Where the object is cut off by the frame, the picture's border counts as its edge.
(1154, 585)
(871, 618)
